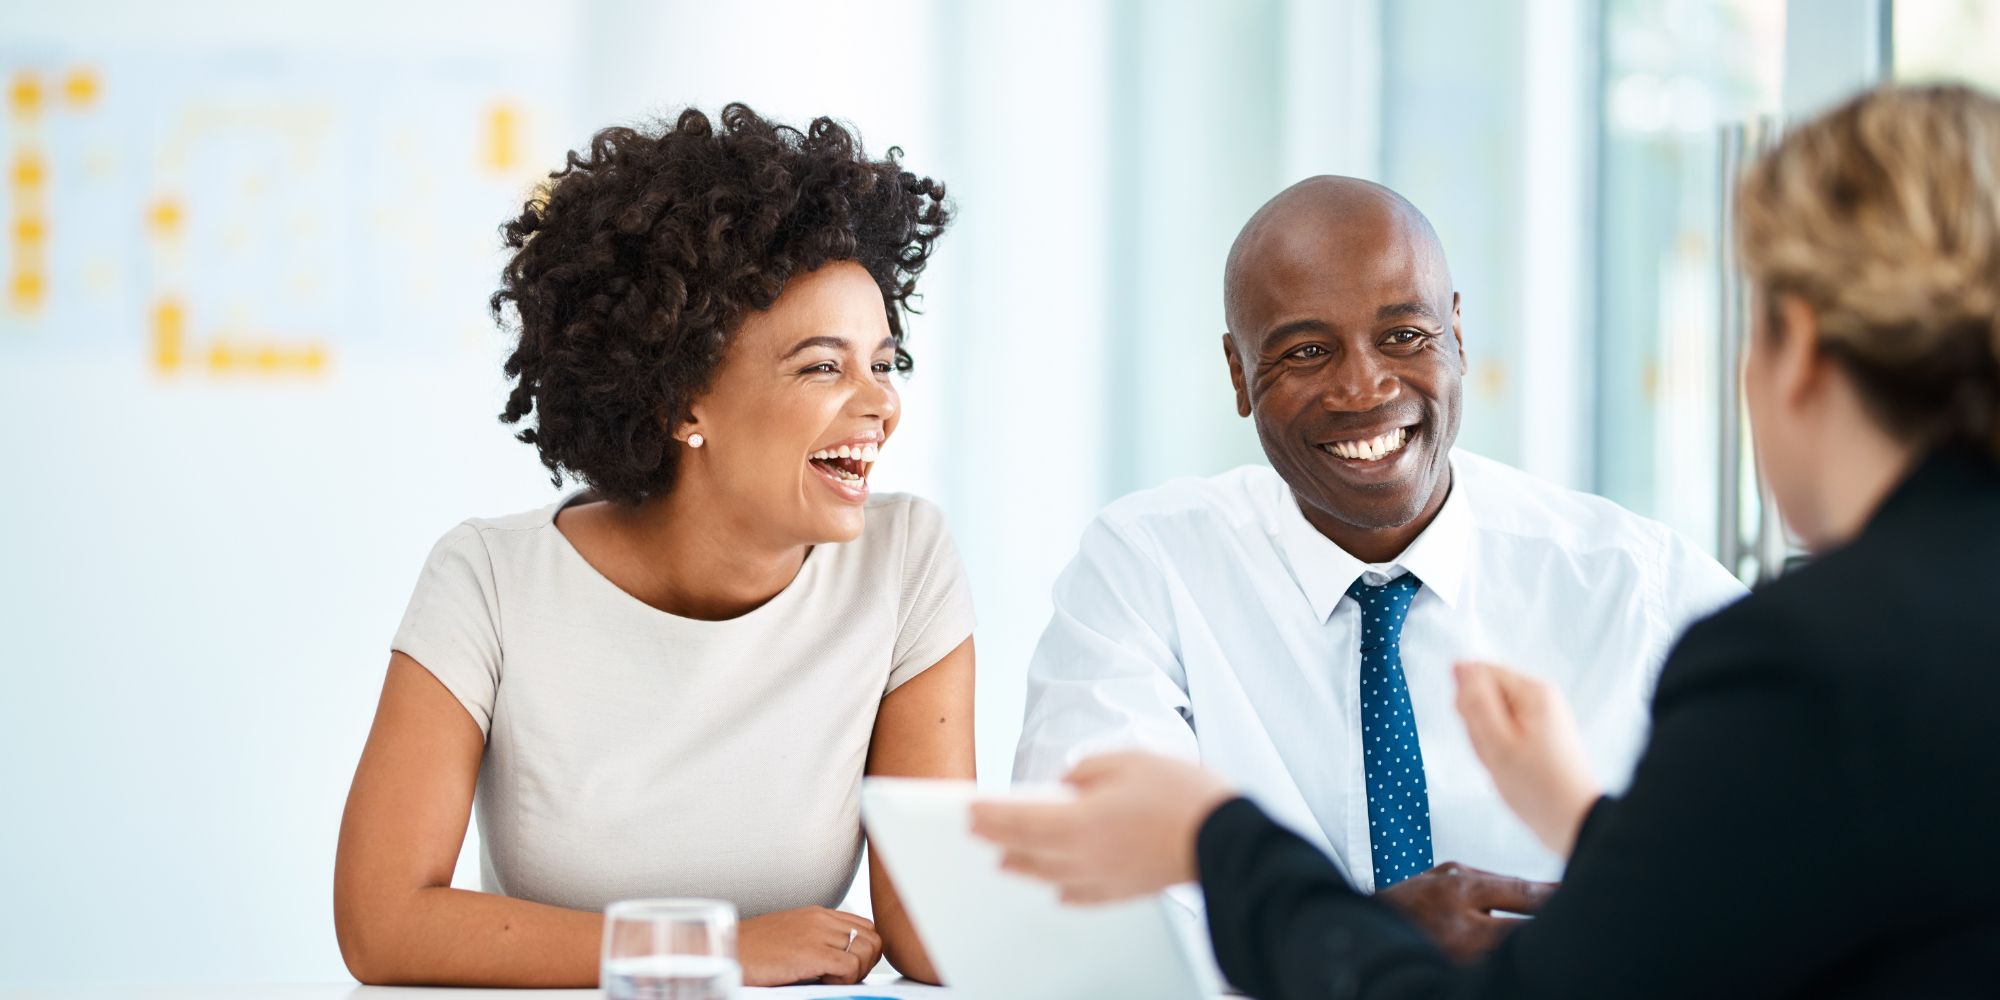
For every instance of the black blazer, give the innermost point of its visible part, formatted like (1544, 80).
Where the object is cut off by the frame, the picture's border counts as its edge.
(1817, 813)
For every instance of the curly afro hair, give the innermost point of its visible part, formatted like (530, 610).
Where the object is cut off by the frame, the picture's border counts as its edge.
(636, 263)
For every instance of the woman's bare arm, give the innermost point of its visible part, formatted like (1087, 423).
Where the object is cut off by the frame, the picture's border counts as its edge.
(924, 730)
(397, 917)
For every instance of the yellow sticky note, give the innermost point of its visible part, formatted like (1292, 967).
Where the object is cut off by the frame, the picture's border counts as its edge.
(503, 137)
(169, 335)
(30, 230)
(164, 218)
(80, 87)
(29, 171)
(28, 289)
(24, 95)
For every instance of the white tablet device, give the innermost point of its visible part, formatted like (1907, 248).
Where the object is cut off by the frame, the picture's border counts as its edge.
(994, 935)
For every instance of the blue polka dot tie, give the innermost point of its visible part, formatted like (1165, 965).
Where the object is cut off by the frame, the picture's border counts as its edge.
(1399, 806)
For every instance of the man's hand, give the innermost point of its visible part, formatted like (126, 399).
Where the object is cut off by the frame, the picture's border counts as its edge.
(1130, 831)
(1452, 904)
(808, 945)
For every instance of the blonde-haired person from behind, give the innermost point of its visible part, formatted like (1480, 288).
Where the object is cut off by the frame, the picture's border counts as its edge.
(1813, 814)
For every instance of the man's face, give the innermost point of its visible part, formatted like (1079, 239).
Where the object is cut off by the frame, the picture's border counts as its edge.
(1345, 348)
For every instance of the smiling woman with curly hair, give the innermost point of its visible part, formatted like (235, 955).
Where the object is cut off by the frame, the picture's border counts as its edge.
(671, 681)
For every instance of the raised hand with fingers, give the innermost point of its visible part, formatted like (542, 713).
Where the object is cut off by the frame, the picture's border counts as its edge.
(1130, 830)
(1522, 730)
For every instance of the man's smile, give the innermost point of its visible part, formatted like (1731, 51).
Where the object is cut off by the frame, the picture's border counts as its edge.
(1371, 449)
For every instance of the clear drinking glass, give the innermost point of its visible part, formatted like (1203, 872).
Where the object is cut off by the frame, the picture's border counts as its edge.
(670, 949)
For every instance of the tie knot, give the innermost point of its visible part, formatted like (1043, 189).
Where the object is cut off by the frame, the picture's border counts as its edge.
(1383, 609)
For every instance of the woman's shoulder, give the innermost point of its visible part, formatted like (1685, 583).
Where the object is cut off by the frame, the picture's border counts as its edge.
(482, 541)
(1826, 624)
(1764, 626)
(905, 538)
(488, 528)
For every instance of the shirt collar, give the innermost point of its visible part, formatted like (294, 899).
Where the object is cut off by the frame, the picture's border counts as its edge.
(1439, 557)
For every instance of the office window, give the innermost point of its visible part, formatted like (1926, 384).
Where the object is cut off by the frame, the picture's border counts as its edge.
(1946, 40)
(1674, 73)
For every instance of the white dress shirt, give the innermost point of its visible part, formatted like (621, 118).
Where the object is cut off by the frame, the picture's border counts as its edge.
(1209, 620)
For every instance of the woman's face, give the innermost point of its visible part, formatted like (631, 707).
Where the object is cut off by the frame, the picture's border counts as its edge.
(796, 412)
(1781, 430)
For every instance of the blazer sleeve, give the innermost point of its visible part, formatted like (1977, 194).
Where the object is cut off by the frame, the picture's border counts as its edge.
(1716, 873)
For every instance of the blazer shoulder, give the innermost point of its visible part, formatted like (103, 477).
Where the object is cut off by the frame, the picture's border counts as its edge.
(1773, 634)
(1823, 622)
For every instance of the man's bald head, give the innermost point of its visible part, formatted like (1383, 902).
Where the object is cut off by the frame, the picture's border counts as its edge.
(1320, 222)
(1344, 347)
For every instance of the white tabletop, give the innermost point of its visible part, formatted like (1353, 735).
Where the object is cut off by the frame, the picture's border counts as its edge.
(876, 986)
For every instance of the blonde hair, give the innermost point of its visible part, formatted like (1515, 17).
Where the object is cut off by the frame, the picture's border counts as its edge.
(1884, 217)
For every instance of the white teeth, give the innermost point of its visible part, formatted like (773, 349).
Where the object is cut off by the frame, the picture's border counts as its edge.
(1372, 449)
(863, 452)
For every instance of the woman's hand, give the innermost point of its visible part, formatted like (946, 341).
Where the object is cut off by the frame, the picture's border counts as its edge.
(808, 945)
(1130, 831)
(1522, 731)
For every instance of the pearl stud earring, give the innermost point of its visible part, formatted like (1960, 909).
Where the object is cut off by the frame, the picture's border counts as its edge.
(696, 440)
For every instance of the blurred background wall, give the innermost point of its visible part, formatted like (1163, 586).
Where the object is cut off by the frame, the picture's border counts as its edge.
(249, 376)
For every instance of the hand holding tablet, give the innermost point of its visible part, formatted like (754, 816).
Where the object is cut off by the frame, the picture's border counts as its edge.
(998, 934)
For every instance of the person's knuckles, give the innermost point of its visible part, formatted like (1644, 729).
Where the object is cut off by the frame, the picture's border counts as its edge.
(1488, 936)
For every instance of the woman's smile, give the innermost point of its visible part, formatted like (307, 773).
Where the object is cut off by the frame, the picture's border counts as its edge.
(844, 467)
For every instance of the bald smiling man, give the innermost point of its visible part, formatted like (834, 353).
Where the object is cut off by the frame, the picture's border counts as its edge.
(1293, 626)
